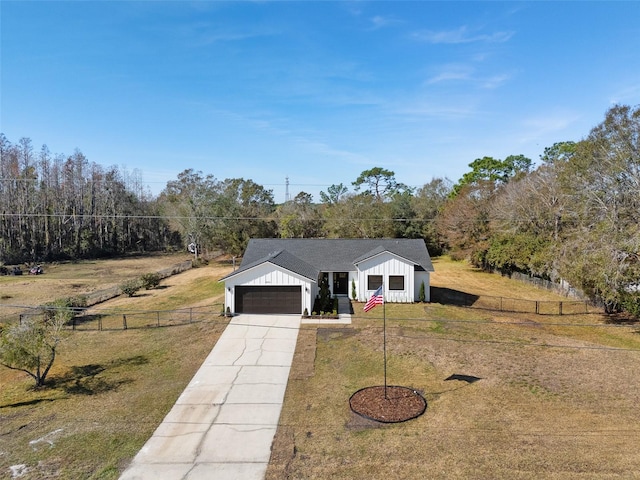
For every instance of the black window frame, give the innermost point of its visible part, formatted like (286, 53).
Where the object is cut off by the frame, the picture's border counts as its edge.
(372, 284)
(392, 282)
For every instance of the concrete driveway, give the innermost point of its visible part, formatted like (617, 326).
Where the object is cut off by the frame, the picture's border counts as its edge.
(223, 424)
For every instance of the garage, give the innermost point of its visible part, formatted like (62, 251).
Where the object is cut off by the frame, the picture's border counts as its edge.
(274, 299)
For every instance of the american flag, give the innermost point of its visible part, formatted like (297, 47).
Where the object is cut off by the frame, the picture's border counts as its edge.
(376, 299)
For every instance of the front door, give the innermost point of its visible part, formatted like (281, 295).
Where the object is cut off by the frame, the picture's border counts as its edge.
(340, 283)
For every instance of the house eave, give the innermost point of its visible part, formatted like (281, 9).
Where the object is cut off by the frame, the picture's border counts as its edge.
(254, 267)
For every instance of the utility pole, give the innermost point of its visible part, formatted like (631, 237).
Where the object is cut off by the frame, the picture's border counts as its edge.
(287, 197)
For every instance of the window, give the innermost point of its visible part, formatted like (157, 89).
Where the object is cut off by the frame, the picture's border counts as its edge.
(396, 282)
(373, 282)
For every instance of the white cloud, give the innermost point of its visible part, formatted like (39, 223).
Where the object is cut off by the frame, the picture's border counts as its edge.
(451, 73)
(467, 73)
(432, 110)
(230, 36)
(494, 81)
(324, 149)
(206, 33)
(380, 22)
(461, 35)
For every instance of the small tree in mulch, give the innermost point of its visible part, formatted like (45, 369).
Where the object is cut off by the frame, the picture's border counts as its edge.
(325, 303)
(422, 295)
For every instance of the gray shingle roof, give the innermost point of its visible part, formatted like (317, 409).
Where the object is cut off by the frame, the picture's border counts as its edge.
(283, 259)
(290, 262)
(309, 256)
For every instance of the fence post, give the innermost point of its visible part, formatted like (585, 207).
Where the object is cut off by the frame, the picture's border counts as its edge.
(191, 315)
(560, 307)
(537, 307)
(158, 312)
(124, 321)
(500, 303)
(20, 319)
(100, 323)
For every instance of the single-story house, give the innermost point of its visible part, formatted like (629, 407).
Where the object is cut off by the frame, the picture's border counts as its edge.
(283, 275)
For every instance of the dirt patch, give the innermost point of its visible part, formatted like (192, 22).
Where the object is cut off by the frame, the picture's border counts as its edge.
(334, 333)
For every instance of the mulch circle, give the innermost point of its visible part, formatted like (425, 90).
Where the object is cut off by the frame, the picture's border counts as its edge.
(390, 404)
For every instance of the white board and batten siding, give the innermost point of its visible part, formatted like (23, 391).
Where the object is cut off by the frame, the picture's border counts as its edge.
(267, 274)
(388, 264)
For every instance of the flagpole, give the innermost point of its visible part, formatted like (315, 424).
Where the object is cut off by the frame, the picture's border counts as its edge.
(384, 341)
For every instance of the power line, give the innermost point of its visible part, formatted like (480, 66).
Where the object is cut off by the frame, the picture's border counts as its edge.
(180, 217)
(87, 181)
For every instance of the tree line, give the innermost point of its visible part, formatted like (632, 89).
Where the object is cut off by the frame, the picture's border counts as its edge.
(56, 207)
(574, 217)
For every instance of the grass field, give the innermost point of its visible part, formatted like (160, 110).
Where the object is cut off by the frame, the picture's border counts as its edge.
(68, 279)
(109, 390)
(557, 396)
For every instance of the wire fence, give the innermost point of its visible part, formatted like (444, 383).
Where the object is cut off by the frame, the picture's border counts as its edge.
(102, 320)
(516, 305)
(539, 307)
(105, 294)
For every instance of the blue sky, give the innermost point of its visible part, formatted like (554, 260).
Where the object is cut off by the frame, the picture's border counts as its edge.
(314, 91)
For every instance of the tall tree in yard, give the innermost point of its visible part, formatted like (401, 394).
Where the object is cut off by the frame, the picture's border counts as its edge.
(380, 183)
(358, 216)
(530, 218)
(189, 203)
(498, 172)
(299, 218)
(334, 194)
(559, 152)
(604, 178)
(464, 222)
(427, 203)
(402, 216)
(244, 210)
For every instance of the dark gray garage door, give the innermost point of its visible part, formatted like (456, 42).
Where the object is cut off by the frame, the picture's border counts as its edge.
(286, 299)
